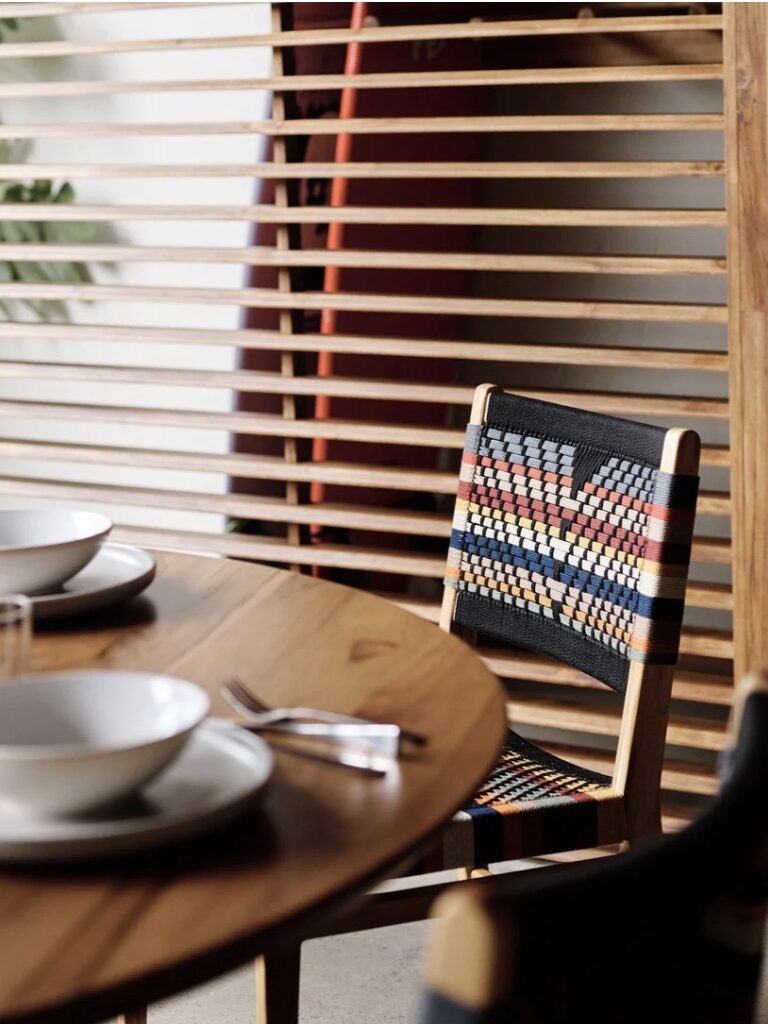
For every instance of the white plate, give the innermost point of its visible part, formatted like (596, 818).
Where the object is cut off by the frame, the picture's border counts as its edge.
(116, 573)
(215, 778)
(40, 548)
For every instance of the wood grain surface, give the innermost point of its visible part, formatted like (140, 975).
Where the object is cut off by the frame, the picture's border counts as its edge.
(83, 942)
(746, 90)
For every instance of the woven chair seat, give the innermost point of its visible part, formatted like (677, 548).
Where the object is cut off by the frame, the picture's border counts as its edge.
(575, 809)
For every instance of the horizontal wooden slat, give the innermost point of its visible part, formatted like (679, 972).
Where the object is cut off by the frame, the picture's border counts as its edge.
(271, 550)
(486, 216)
(273, 426)
(238, 422)
(580, 355)
(396, 33)
(716, 550)
(48, 10)
(715, 455)
(396, 80)
(378, 125)
(683, 731)
(713, 503)
(236, 464)
(411, 169)
(384, 390)
(268, 298)
(700, 594)
(697, 687)
(706, 643)
(350, 474)
(273, 510)
(358, 258)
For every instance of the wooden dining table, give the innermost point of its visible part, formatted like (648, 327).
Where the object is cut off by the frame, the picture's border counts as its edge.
(82, 942)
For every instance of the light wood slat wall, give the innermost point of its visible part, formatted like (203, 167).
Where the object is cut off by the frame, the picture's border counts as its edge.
(595, 277)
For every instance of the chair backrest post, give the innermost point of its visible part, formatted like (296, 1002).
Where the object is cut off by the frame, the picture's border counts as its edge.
(476, 417)
(642, 735)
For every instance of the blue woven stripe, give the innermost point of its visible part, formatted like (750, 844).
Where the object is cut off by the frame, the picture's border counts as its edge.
(595, 586)
(457, 539)
(668, 609)
(488, 834)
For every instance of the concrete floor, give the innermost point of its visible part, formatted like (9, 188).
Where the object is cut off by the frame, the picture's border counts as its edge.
(362, 978)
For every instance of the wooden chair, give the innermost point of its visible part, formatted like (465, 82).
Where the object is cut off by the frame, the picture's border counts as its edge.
(671, 932)
(571, 538)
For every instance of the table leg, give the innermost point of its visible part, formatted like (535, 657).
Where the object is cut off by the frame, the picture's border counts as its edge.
(277, 987)
(134, 1017)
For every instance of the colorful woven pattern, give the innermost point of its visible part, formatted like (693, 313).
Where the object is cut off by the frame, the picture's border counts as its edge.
(571, 547)
(497, 825)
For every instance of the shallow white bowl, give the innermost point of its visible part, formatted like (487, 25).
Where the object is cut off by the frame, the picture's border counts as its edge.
(41, 548)
(75, 741)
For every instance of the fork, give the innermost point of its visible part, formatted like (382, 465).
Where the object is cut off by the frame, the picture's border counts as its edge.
(363, 738)
(247, 700)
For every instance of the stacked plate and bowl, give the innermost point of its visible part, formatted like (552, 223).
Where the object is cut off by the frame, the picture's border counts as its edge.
(61, 559)
(96, 762)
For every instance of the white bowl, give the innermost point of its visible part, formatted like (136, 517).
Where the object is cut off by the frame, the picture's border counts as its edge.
(41, 548)
(74, 741)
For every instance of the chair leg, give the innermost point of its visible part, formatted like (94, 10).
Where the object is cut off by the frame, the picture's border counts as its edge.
(644, 828)
(277, 986)
(134, 1017)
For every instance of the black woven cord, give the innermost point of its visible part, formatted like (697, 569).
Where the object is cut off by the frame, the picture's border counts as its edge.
(543, 636)
(619, 437)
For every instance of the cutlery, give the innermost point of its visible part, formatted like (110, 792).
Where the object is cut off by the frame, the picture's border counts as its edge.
(366, 737)
(245, 700)
(343, 757)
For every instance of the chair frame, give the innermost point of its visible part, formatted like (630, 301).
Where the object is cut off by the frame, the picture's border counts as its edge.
(640, 751)
(636, 778)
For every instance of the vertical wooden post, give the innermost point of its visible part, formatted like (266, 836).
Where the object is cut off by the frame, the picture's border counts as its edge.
(746, 92)
(284, 284)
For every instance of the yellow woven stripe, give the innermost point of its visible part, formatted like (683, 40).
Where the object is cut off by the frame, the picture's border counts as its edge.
(507, 517)
(505, 588)
(598, 623)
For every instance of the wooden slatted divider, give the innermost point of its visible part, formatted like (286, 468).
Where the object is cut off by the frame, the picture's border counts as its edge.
(609, 300)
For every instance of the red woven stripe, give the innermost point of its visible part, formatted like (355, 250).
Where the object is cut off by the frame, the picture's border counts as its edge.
(519, 469)
(671, 515)
(665, 553)
(618, 499)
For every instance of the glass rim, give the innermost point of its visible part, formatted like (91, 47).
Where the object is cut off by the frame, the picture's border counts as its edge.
(14, 608)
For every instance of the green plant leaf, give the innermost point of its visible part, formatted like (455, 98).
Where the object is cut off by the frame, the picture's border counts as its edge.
(36, 232)
(66, 194)
(41, 191)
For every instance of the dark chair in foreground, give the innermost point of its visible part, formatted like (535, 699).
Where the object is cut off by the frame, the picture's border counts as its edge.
(672, 932)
